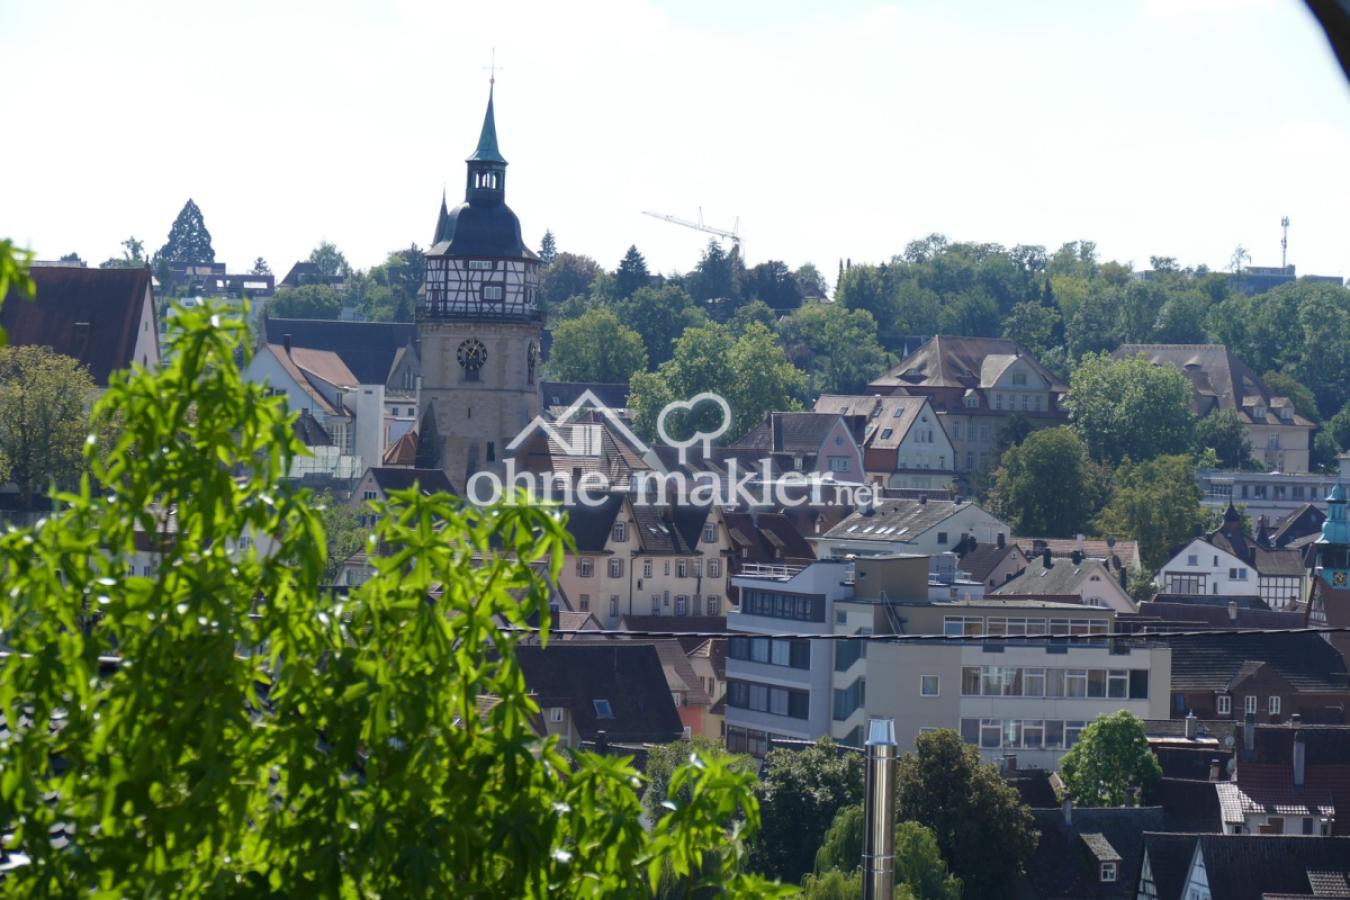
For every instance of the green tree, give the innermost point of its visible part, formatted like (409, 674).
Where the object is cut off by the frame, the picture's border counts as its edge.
(189, 242)
(548, 248)
(308, 301)
(14, 275)
(133, 256)
(329, 260)
(1048, 485)
(801, 792)
(1111, 763)
(664, 760)
(596, 347)
(836, 345)
(762, 379)
(1034, 326)
(72, 258)
(260, 267)
(660, 314)
(774, 283)
(810, 281)
(569, 275)
(1130, 407)
(259, 740)
(344, 530)
(1157, 503)
(918, 862)
(983, 830)
(716, 281)
(632, 274)
(1225, 433)
(756, 311)
(44, 419)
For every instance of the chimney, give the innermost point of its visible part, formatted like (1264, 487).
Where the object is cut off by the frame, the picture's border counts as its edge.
(1215, 768)
(1300, 759)
(1124, 579)
(923, 499)
(601, 742)
(1002, 541)
(1191, 722)
(1009, 763)
(1068, 810)
(1232, 610)
(1077, 557)
(1079, 546)
(286, 343)
(1047, 559)
(1111, 541)
(1249, 733)
(1296, 719)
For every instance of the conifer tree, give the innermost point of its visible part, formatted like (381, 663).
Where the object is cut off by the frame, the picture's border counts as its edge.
(548, 248)
(189, 241)
(632, 274)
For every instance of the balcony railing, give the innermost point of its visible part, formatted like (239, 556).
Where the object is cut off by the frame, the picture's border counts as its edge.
(768, 570)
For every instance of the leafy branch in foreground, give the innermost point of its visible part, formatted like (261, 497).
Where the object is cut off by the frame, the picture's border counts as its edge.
(261, 738)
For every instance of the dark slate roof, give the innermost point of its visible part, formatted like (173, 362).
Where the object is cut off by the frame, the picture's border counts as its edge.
(1061, 578)
(590, 526)
(1231, 539)
(694, 624)
(657, 533)
(1169, 859)
(1219, 379)
(1188, 804)
(565, 393)
(1306, 661)
(895, 520)
(1304, 521)
(628, 675)
(110, 301)
(981, 561)
(766, 538)
(310, 431)
(1067, 857)
(1248, 866)
(789, 432)
(1215, 616)
(368, 348)
(962, 362)
(1033, 787)
(398, 478)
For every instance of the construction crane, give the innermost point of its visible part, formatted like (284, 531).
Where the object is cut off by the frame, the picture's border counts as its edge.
(734, 235)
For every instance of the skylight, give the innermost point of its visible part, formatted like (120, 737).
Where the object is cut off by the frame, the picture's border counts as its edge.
(602, 709)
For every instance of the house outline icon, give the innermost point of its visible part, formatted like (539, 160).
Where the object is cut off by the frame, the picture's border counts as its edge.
(590, 401)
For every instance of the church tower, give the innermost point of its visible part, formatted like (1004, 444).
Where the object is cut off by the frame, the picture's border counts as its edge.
(477, 324)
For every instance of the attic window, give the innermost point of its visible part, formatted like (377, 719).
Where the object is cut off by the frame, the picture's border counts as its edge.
(1108, 871)
(602, 709)
(886, 433)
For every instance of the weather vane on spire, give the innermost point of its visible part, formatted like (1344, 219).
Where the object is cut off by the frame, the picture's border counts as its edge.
(492, 69)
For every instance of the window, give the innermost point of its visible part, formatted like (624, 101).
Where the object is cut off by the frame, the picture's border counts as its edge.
(1033, 734)
(480, 264)
(492, 292)
(709, 533)
(555, 714)
(1108, 871)
(1033, 683)
(666, 568)
(928, 686)
(1054, 682)
(956, 430)
(1192, 559)
(613, 605)
(656, 604)
(1077, 680)
(886, 433)
(1273, 706)
(682, 568)
(646, 568)
(942, 537)
(491, 451)
(838, 464)
(1072, 732)
(620, 532)
(714, 568)
(1019, 379)
(681, 605)
(1225, 705)
(584, 601)
(714, 605)
(1117, 683)
(585, 567)
(991, 733)
(698, 568)
(615, 567)
(602, 709)
(369, 495)
(1249, 703)
(970, 681)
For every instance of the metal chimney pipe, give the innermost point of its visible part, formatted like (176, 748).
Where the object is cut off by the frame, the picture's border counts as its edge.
(878, 860)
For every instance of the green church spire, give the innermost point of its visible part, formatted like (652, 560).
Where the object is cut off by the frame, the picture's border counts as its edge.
(487, 141)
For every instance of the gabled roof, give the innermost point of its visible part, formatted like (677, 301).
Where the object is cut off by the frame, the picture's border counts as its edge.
(962, 362)
(889, 418)
(981, 562)
(590, 526)
(896, 520)
(1251, 866)
(404, 450)
(308, 379)
(1211, 663)
(1304, 521)
(657, 532)
(1062, 577)
(1230, 538)
(91, 315)
(1169, 861)
(789, 432)
(565, 393)
(398, 478)
(767, 537)
(625, 675)
(308, 429)
(692, 624)
(1121, 554)
(1220, 380)
(369, 349)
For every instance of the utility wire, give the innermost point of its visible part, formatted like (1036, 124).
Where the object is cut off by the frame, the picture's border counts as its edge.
(963, 638)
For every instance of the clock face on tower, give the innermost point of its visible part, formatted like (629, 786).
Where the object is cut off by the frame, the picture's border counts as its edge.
(472, 354)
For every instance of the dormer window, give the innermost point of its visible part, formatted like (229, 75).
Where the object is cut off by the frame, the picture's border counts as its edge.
(1108, 871)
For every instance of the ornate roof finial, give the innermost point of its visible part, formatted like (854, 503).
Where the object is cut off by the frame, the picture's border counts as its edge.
(487, 141)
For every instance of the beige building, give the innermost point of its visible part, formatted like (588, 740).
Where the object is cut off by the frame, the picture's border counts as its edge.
(1281, 438)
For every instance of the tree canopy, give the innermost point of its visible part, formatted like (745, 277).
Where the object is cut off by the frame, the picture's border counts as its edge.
(631, 275)
(1111, 762)
(1156, 502)
(596, 347)
(189, 242)
(259, 737)
(1224, 433)
(1048, 485)
(1130, 407)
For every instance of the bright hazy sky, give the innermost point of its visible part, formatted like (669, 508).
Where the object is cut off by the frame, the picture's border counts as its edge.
(839, 129)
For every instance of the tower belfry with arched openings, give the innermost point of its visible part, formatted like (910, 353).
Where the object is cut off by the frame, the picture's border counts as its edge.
(478, 325)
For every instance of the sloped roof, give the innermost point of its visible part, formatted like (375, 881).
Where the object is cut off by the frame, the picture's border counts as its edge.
(1169, 860)
(323, 365)
(962, 362)
(1066, 862)
(1062, 577)
(694, 624)
(1306, 661)
(980, 562)
(1282, 562)
(1121, 554)
(1217, 376)
(1304, 521)
(766, 538)
(565, 393)
(657, 532)
(628, 675)
(590, 525)
(91, 315)
(398, 478)
(896, 412)
(1211, 615)
(308, 429)
(403, 452)
(896, 520)
(306, 381)
(369, 349)
(1250, 866)
(789, 432)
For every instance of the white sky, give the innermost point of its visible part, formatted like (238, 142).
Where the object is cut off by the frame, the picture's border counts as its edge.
(841, 129)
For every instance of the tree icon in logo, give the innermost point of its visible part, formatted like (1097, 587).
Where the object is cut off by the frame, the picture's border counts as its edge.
(688, 407)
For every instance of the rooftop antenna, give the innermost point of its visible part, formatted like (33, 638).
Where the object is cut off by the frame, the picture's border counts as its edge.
(1284, 243)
